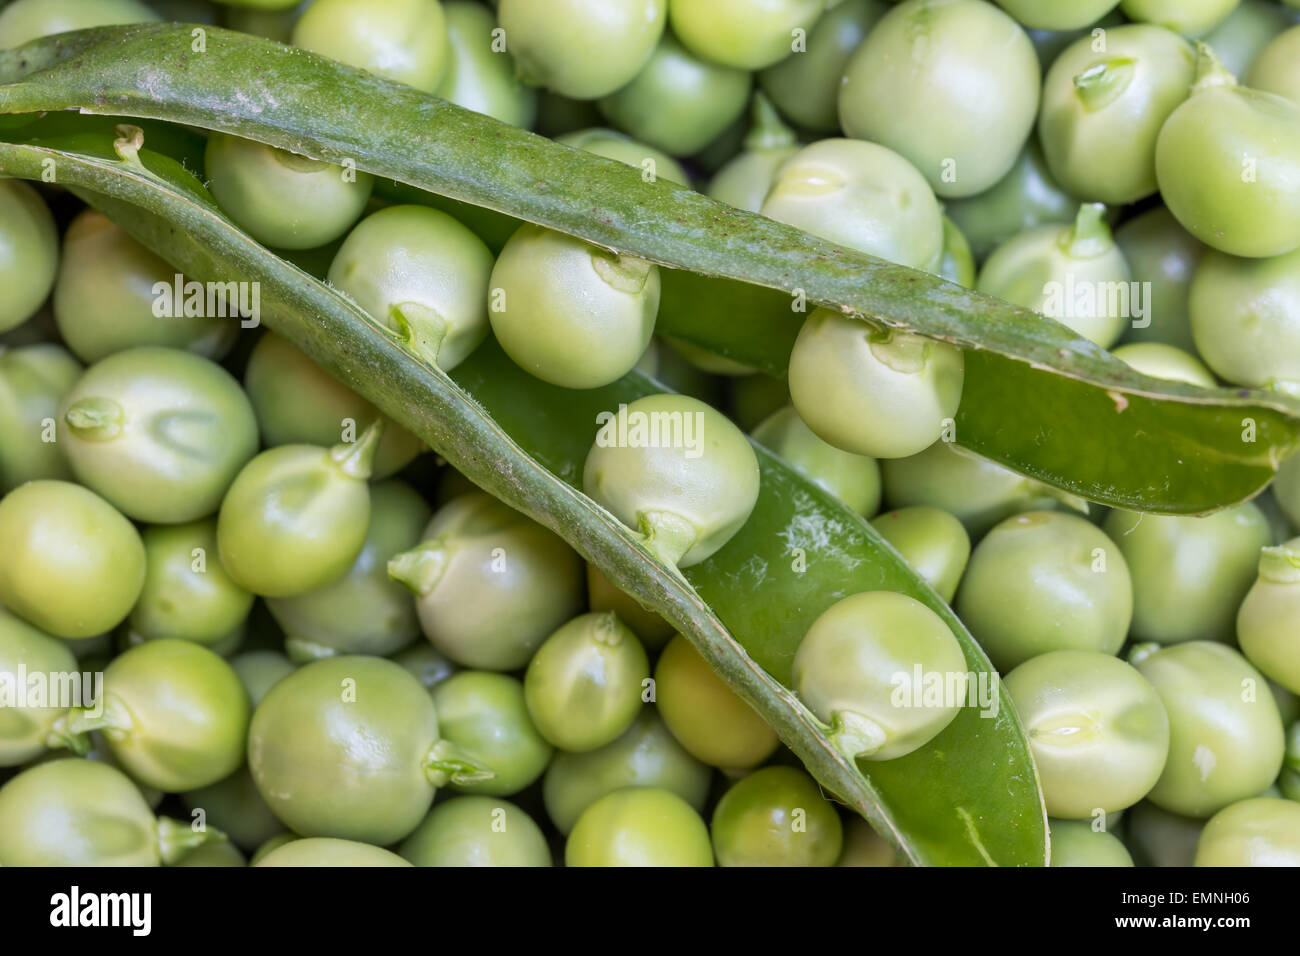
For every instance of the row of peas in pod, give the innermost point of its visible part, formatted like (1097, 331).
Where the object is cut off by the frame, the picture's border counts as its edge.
(1095, 162)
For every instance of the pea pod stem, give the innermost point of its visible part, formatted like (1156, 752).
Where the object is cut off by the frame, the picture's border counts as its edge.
(421, 568)
(176, 839)
(668, 536)
(63, 737)
(112, 717)
(447, 763)
(855, 735)
(355, 459)
(419, 329)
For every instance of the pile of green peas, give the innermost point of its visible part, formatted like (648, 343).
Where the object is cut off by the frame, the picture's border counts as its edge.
(336, 651)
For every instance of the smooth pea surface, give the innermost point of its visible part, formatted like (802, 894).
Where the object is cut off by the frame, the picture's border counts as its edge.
(325, 851)
(234, 806)
(1277, 68)
(650, 163)
(854, 479)
(26, 731)
(477, 831)
(932, 541)
(480, 76)
(33, 381)
(639, 827)
(401, 40)
(1075, 843)
(485, 716)
(1162, 256)
(741, 33)
(1260, 832)
(776, 816)
(1165, 361)
(1268, 620)
(1188, 17)
(29, 248)
(25, 20)
(259, 671)
(1057, 15)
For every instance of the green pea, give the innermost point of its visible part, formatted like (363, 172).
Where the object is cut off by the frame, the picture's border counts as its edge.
(174, 714)
(71, 565)
(869, 666)
(1163, 257)
(863, 195)
(187, 593)
(966, 67)
(651, 163)
(958, 262)
(646, 755)
(280, 198)
(297, 403)
(1076, 275)
(349, 747)
(1075, 843)
(1260, 832)
(29, 727)
(321, 851)
(932, 541)
(1097, 730)
(740, 33)
(484, 715)
(854, 479)
(1240, 39)
(1189, 17)
(744, 182)
(106, 294)
(1165, 361)
(86, 813)
(480, 76)
(1269, 617)
(677, 470)
(223, 853)
(1026, 197)
(639, 827)
(1102, 111)
(29, 247)
(259, 671)
(1246, 318)
(864, 847)
(1238, 195)
(235, 807)
(1189, 574)
(1277, 68)
(25, 20)
(422, 273)
(1055, 15)
(296, 516)
(678, 102)
(776, 816)
(570, 313)
(1286, 488)
(365, 611)
(159, 433)
(1157, 837)
(400, 40)
(653, 631)
(702, 360)
(583, 686)
(977, 492)
(271, 845)
(755, 397)
(33, 381)
(477, 831)
(1225, 735)
(873, 391)
(425, 664)
(478, 553)
(616, 38)
(275, 22)
(806, 85)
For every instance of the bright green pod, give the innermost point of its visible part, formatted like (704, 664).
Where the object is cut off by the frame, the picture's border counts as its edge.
(616, 39)
(1191, 18)
(33, 381)
(570, 313)
(884, 671)
(745, 181)
(1264, 831)
(477, 831)
(365, 611)
(1076, 275)
(652, 164)
(187, 593)
(1246, 318)
(113, 294)
(1241, 38)
(400, 40)
(678, 102)
(741, 33)
(1277, 68)
(1163, 258)
(174, 714)
(324, 851)
(863, 195)
(159, 433)
(1076, 843)
(639, 827)
(1225, 735)
(652, 630)
(967, 68)
(647, 755)
(1189, 574)
(1286, 489)
(806, 86)
(776, 816)
(1239, 194)
(932, 541)
(1102, 111)
(421, 273)
(1165, 362)
(1057, 14)
(584, 685)
(480, 75)
(71, 564)
(25, 20)
(1268, 621)
(280, 198)
(29, 248)
(485, 717)
(32, 725)
(676, 470)
(478, 553)
(854, 479)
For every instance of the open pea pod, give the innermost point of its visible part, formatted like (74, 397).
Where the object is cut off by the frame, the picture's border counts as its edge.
(1038, 398)
(970, 796)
